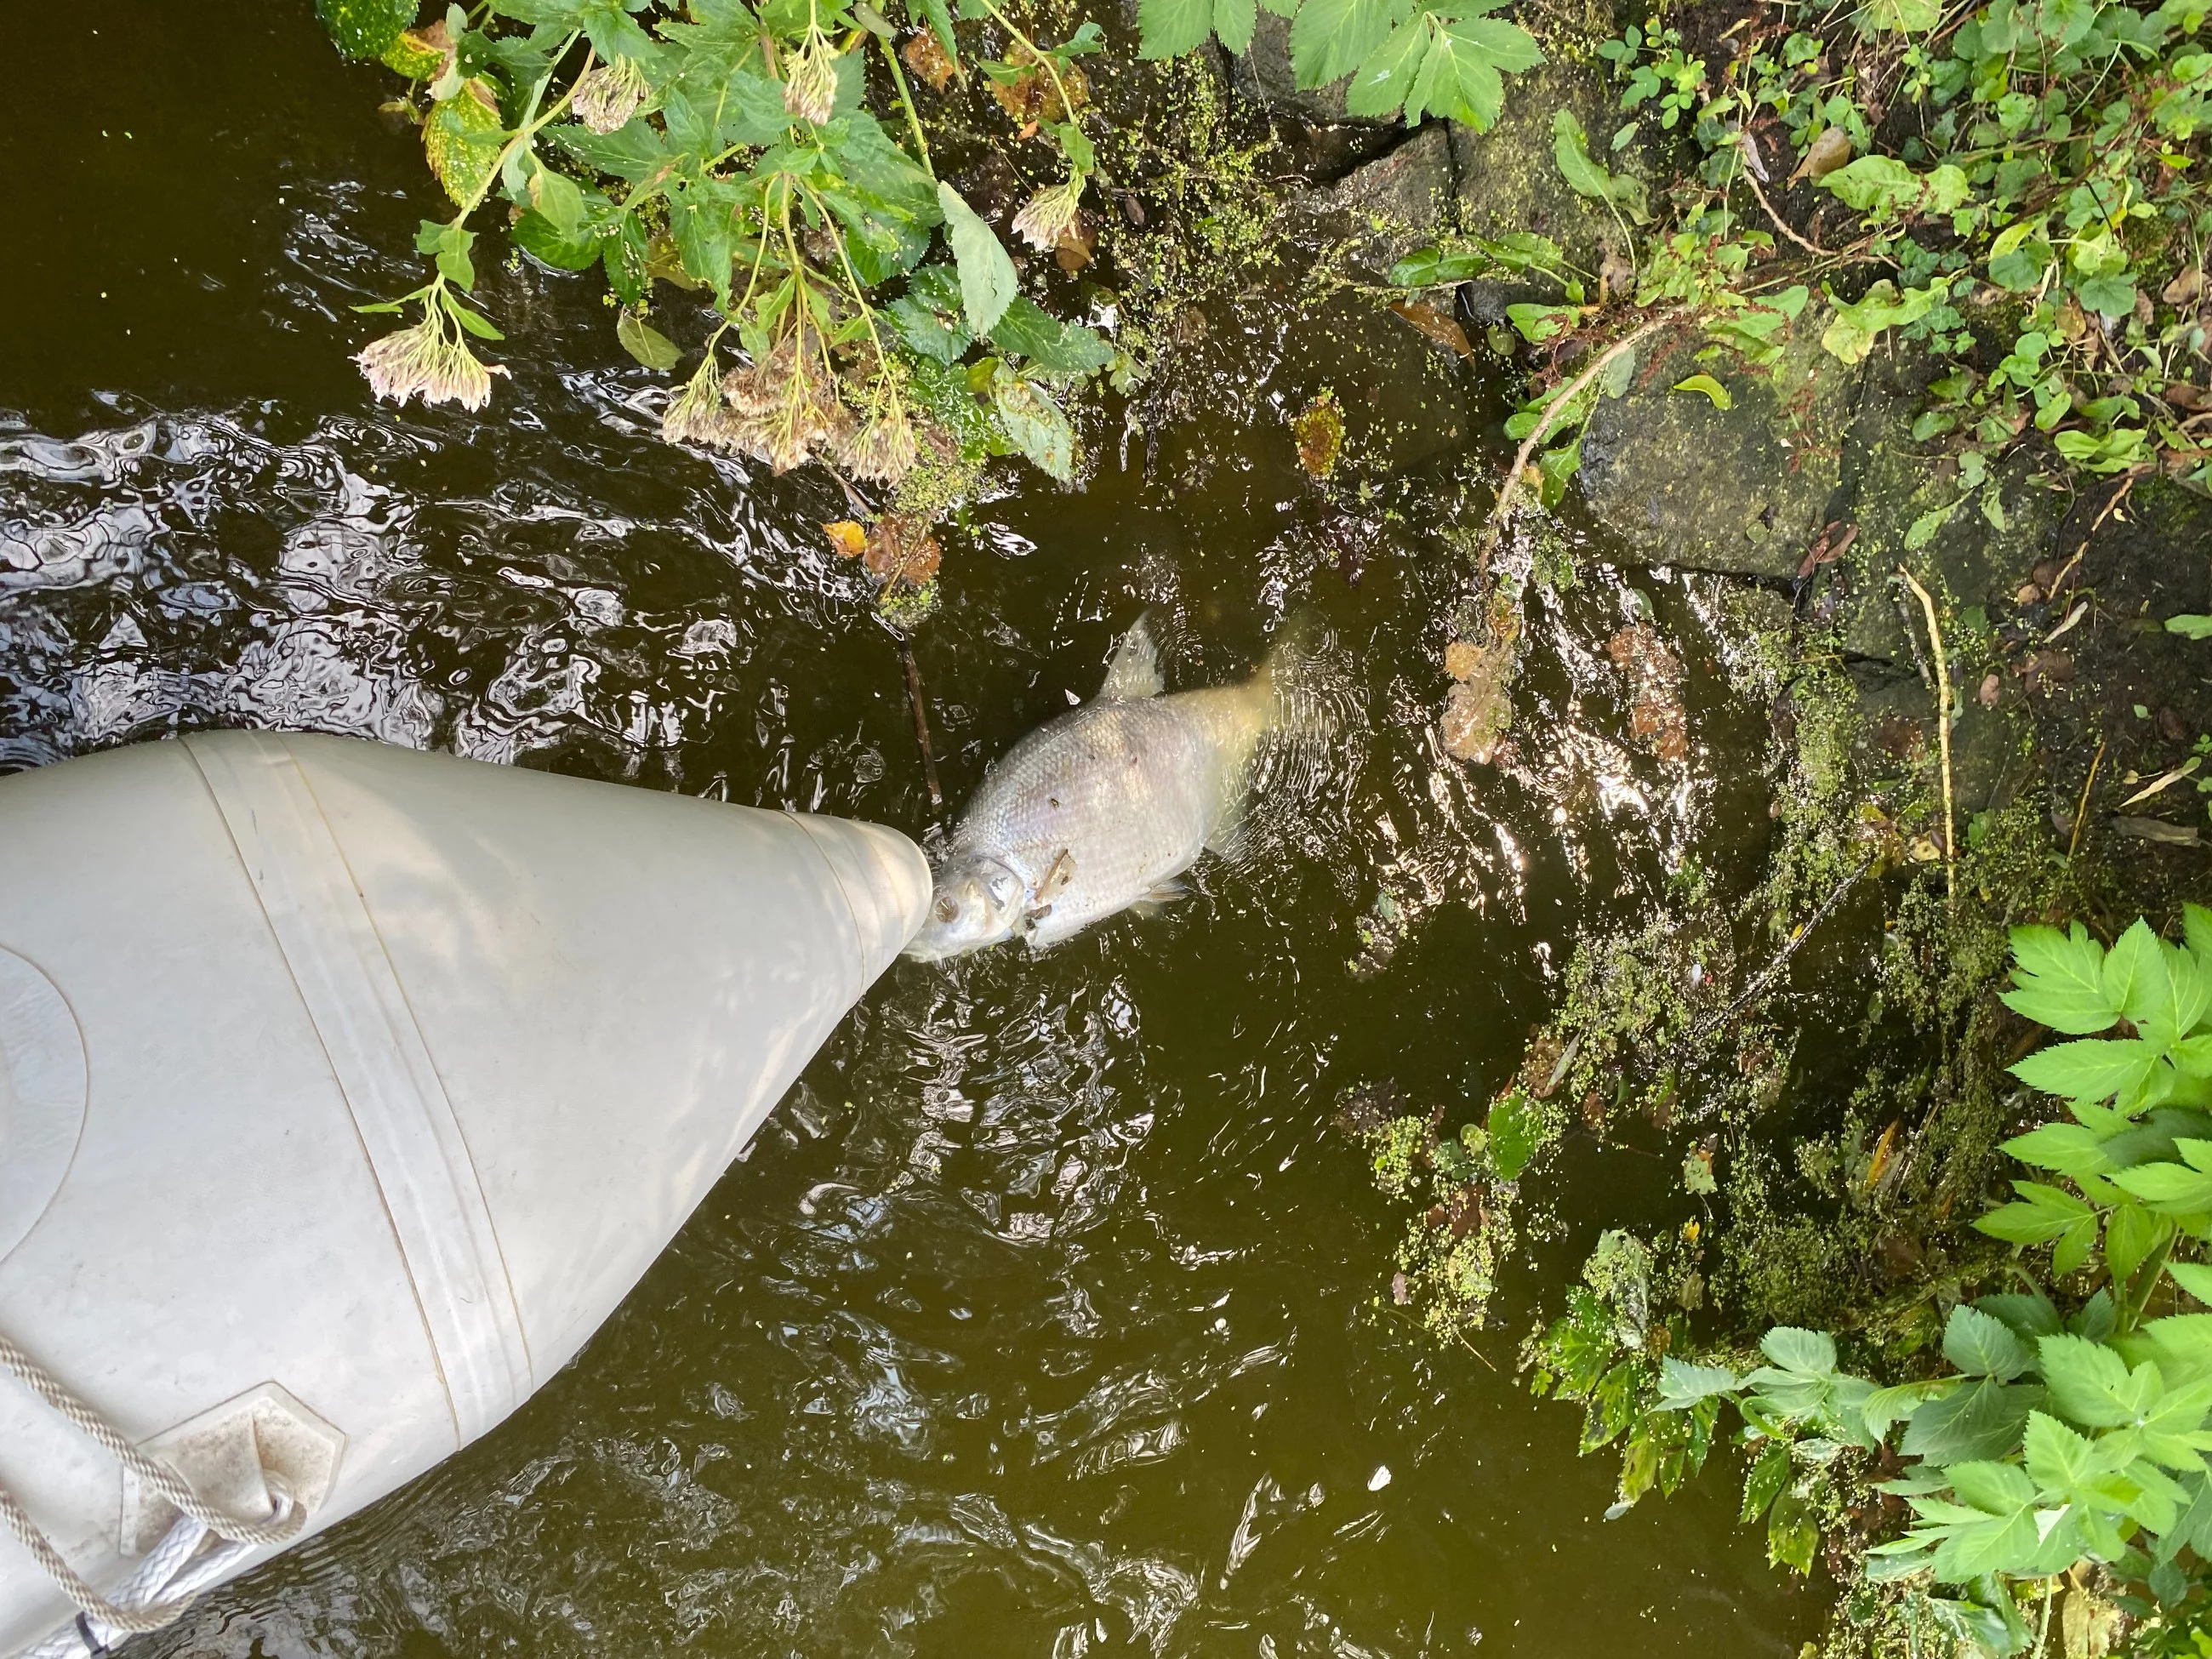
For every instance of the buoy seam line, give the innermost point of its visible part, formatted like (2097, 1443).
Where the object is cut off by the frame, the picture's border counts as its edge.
(407, 1126)
(837, 881)
(482, 1341)
(429, 1336)
(498, 1250)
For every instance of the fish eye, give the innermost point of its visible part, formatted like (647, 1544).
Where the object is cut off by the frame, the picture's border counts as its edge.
(948, 910)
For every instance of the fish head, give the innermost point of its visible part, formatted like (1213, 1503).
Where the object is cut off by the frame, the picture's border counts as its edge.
(977, 901)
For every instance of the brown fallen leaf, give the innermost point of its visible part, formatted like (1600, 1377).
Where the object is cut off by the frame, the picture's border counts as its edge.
(1829, 151)
(1478, 709)
(1437, 325)
(1827, 547)
(2184, 288)
(1074, 250)
(926, 55)
(1032, 98)
(1654, 679)
(847, 539)
(2157, 829)
(900, 549)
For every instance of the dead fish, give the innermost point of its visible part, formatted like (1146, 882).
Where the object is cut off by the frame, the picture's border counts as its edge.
(1108, 805)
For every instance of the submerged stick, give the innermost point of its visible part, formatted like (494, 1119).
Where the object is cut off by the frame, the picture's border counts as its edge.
(920, 719)
(2081, 811)
(1758, 987)
(1942, 732)
(1494, 527)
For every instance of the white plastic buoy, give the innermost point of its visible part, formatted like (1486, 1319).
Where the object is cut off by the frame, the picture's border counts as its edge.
(345, 1091)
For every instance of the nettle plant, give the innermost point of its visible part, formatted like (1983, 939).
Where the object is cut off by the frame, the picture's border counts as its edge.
(2054, 1440)
(761, 158)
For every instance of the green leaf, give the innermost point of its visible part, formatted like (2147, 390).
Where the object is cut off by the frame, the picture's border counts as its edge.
(556, 196)
(2058, 980)
(1904, 16)
(2131, 1233)
(1683, 1385)
(1384, 79)
(2194, 1277)
(987, 281)
(535, 235)
(1028, 331)
(2071, 1149)
(474, 322)
(2059, 1460)
(1234, 21)
(1515, 1127)
(2029, 1314)
(2189, 626)
(1034, 423)
(1169, 29)
(1886, 1406)
(1571, 153)
(2173, 1188)
(2134, 973)
(1980, 1345)
(1851, 332)
(1329, 38)
(462, 138)
(645, 343)
(2091, 1069)
(929, 315)
(1462, 77)
(1764, 1481)
(1812, 1352)
(2092, 1385)
(1982, 1421)
(365, 29)
(1714, 393)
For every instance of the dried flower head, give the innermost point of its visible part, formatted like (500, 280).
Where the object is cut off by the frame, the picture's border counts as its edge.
(426, 362)
(809, 87)
(1049, 214)
(883, 449)
(695, 415)
(782, 408)
(609, 95)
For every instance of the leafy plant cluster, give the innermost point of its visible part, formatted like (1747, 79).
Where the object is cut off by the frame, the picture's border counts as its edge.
(773, 160)
(2067, 1434)
(2016, 188)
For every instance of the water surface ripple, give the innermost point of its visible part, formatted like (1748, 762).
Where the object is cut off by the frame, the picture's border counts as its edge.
(1049, 1314)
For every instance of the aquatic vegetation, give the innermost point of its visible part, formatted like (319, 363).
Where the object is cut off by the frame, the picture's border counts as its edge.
(2058, 1450)
(762, 160)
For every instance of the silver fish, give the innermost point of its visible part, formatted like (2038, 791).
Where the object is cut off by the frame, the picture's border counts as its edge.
(1102, 808)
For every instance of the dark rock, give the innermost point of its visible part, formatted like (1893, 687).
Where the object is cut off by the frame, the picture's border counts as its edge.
(1977, 550)
(1508, 179)
(1263, 74)
(1746, 489)
(1390, 206)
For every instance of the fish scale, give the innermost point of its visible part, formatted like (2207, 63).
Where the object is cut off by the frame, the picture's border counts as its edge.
(1100, 809)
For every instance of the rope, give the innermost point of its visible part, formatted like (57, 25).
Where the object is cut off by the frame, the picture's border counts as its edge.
(152, 1474)
(166, 1581)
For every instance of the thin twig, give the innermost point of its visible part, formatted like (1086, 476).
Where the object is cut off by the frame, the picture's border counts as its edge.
(1942, 732)
(1752, 179)
(920, 719)
(2081, 811)
(1758, 987)
(1508, 492)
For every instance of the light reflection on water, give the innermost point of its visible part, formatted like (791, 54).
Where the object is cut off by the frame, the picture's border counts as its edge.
(1043, 1318)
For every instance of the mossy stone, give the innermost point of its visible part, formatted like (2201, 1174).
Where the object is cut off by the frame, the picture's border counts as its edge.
(1744, 489)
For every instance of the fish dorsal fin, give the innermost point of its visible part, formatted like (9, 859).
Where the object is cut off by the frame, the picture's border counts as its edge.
(1136, 671)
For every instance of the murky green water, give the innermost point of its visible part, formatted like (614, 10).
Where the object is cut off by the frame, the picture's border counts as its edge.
(1042, 1319)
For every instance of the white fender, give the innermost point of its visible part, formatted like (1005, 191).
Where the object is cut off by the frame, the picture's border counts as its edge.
(345, 1091)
